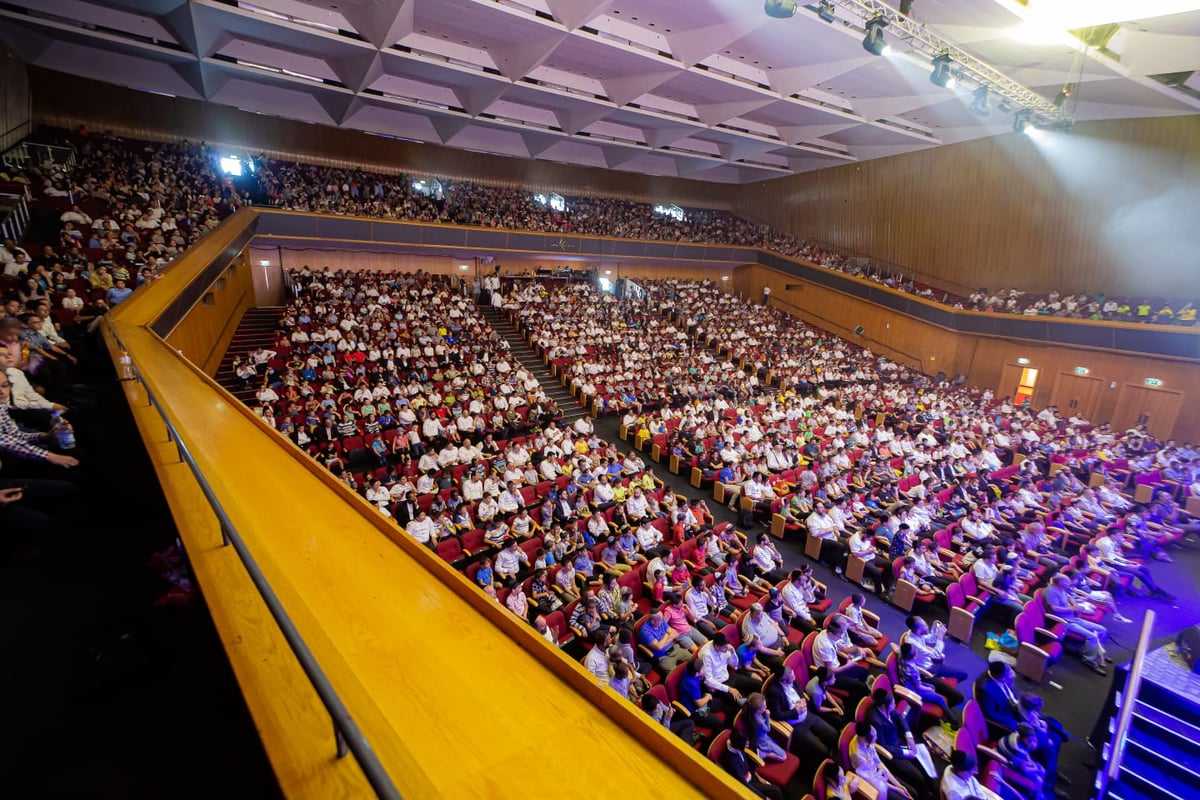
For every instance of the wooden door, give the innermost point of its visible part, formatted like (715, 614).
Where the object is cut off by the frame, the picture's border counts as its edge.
(1010, 379)
(1077, 394)
(1159, 408)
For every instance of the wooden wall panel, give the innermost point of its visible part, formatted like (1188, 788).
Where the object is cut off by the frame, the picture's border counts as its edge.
(16, 111)
(1106, 207)
(204, 334)
(984, 359)
(104, 106)
(294, 258)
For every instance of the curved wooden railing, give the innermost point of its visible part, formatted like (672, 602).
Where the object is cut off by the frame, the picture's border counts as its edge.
(455, 696)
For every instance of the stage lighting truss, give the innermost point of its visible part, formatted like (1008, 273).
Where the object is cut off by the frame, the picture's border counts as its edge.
(876, 16)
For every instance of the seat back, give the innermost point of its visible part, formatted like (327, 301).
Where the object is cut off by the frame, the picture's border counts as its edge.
(974, 721)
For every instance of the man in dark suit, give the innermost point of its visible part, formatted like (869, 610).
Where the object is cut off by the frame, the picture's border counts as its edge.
(893, 735)
(996, 698)
(738, 764)
(405, 510)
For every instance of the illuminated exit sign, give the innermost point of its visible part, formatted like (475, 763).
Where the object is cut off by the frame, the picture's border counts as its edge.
(1152, 382)
(1082, 370)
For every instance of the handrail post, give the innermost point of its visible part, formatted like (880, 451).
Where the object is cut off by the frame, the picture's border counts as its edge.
(1133, 685)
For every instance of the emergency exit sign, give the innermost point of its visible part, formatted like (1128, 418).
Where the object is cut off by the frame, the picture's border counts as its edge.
(1152, 382)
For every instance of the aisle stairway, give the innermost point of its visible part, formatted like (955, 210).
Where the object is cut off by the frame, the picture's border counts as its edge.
(256, 329)
(551, 383)
(1162, 751)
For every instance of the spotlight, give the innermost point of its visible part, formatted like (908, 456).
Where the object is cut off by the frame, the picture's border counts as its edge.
(979, 105)
(1063, 94)
(1005, 106)
(1021, 121)
(906, 7)
(780, 9)
(874, 42)
(826, 10)
(941, 75)
(1034, 132)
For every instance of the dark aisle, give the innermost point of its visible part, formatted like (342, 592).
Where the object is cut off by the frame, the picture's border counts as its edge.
(109, 695)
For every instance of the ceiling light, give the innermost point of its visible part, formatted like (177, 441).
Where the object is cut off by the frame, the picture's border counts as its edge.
(979, 105)
(1034, 132)
(826, 10)
(941, 75)
(780, 9)
(1005, 106)
(874, 42)
(906, 7)
(1070, 14)
(1063, 94)
(1021, 120)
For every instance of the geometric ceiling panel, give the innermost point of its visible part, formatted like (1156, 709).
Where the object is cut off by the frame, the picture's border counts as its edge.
(712, 89)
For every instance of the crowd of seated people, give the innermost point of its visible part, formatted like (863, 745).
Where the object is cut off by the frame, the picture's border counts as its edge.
(767, 340)
(121, 187)
(335, 190)
(617, 353)
(975, 503)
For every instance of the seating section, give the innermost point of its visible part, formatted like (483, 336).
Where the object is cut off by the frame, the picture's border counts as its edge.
(935, 497)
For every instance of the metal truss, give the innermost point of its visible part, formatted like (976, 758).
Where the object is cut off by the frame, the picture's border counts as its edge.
(967, 66)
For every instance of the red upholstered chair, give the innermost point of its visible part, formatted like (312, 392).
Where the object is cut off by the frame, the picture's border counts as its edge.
(779, 773)
(556, 622)
(450, 549)
(1040, 648)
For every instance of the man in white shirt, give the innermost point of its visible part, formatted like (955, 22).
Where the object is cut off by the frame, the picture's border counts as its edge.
(421, 528)
(820, 526)
(719, 665)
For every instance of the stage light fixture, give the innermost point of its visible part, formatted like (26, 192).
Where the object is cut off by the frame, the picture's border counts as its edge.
(906, 7)
(1021, 121)
(780, 9)
(979, 105)
(874, 42)
(942, 74)
(1063, 95)
(826, 10)
(1005, 106)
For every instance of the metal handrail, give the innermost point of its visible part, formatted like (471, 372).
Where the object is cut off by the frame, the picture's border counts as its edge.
(348, 736)
(1133, 686)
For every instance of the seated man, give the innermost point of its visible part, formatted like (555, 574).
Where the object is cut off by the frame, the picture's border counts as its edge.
(660, 638)
(1057, 597)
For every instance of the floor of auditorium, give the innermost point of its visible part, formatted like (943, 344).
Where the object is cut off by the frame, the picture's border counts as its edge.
(111, 696)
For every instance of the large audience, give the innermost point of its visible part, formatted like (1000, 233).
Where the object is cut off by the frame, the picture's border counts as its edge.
(946, 501)
(305, 187)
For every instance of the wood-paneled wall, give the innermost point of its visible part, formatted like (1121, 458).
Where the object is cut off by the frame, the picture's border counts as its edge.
(1109, 207)
(293, 258)
(204, 334)
(69, 101)
(1119, 395)
(15, 106)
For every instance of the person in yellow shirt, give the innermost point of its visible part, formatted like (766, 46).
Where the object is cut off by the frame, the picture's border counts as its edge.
(1187, 314)
(1143, 310)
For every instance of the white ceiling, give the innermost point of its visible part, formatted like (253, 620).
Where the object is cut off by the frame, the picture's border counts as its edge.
(708, 89)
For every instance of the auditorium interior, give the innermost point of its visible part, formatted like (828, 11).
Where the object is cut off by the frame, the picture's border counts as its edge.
(484, 398)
